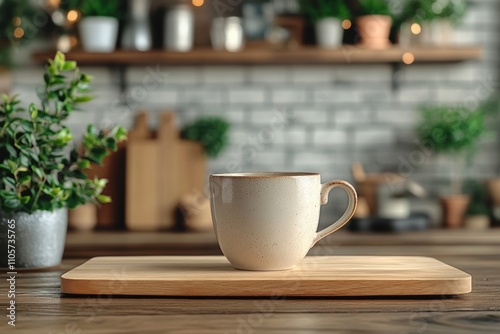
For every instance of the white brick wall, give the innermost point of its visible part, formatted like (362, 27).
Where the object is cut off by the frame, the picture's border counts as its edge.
(331, 116)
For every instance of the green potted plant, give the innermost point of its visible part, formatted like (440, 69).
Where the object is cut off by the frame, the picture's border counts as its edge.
(491, 108)
(210, 131)
(327, 16)
(42, 172)
(12, 33)
(430, 21)
(454, 131)
(99, 25)
(478, 212)
(374, 23)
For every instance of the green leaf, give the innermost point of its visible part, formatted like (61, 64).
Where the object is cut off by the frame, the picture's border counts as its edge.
(79, 175)
(24, 180)
(69, 66)
(12, 165)
(84, 163)
(12, 151)
(10, 182)
(12, 203)
(38, 172)
(103, 199)
(82, 99)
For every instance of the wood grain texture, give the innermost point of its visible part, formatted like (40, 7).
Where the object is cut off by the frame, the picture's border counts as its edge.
(142, 209)
(348, 54)
(112, 215)
(175, 166)
(41, 308)
(168, 170)
(265, 321)
(315, 276)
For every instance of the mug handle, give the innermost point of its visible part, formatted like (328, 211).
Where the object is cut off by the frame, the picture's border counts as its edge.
(351, 207)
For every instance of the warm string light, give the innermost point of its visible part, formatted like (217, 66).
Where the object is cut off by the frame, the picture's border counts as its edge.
(346, 24)
(72, 16)
(408, 58)
(416, 29)
(16, 21)
(18, 32)
(198, 3)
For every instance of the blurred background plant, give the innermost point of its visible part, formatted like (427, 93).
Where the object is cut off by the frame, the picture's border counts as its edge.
(374, 7)
(14, 27)
(319, 9)
(421, 11)
(108, 8)
(455, 131)
(479, 198)
(211, 132)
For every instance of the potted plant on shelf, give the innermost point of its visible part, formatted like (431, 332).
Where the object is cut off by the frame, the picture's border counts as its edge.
(478, 212)
(374, 23)
(327, 15)
(12, 33)
(491, 108)
(430, 21)
(99, 25)
(454, 131)
(42, 171)
(212, 133)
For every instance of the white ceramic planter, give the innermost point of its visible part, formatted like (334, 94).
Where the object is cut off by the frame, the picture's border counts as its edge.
(329, 33)
(99, 34)
(39, 238)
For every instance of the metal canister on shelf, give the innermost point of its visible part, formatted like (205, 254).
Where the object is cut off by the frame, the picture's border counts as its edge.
(179, 29)
(233, 31)
(227, 33)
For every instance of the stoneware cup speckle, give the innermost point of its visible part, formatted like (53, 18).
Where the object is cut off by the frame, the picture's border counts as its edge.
(268, 221)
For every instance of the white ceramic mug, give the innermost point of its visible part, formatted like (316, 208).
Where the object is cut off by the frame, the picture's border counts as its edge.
(268, 221)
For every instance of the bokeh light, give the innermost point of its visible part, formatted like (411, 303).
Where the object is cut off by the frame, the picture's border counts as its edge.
(346, 24)
(416, 29)
(408, 58)
(72, 16)
(18, 32)
(16, 21)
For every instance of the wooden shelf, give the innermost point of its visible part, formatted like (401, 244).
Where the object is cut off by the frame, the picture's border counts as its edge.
(310, 55)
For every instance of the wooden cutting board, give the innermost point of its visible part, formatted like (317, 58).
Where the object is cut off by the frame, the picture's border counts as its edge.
(315, 276)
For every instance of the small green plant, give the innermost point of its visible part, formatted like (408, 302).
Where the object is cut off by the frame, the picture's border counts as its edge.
(316, 10)
(374, 7)
(211, 132)
(40, 166)
(479, 198)
(109, 8)
(455, 131)
(429, 10)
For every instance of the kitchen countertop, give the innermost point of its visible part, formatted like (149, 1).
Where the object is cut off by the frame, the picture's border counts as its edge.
(41, 307)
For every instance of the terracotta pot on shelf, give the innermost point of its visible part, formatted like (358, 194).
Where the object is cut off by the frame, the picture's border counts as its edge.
(454, 208)
(374, 31)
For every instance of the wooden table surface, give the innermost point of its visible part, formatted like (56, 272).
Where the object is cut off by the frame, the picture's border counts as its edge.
(41, 308)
